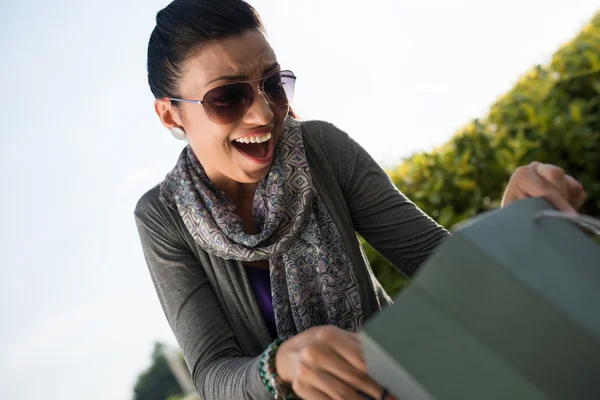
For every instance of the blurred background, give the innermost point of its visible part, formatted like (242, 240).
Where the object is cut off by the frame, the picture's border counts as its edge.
(449, 96)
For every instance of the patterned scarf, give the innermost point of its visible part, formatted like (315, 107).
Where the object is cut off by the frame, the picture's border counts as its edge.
(312, 281)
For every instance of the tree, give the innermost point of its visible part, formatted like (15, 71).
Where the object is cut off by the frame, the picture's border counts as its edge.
(157, 382)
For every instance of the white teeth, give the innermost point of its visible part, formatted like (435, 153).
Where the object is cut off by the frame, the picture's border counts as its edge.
(254, 139)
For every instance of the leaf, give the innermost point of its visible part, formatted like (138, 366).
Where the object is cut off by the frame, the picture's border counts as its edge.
(575, 112)
(435, 198)
(465, 184)
(592, 59)
(596, 86)
(446, 216)
(530, 111)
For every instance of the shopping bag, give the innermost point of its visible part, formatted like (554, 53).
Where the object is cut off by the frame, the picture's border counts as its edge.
(508, 307)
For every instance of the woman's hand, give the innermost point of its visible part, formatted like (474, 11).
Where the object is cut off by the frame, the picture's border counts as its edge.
(548, 181)
(325, 362)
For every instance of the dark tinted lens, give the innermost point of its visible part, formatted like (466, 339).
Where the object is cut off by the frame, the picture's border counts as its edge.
(280, 88)
(228, 103)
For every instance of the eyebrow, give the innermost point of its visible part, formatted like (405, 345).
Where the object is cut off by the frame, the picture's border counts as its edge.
(242, 77)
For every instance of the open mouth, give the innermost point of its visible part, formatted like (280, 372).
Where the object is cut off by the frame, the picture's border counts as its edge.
(256, 148)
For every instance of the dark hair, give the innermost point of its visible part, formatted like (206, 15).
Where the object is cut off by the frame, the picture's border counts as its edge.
(184, 27)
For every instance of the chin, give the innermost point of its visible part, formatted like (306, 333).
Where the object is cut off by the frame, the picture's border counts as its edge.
(256, 175)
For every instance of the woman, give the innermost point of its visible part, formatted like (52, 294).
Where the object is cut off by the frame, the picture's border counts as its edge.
(251, 238)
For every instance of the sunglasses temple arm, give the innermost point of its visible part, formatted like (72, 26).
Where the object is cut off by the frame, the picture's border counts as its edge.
(185, 101)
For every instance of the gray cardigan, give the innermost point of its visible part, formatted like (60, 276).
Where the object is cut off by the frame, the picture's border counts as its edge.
(209, 301)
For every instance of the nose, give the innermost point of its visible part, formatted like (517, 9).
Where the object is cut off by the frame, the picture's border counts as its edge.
(261, 111)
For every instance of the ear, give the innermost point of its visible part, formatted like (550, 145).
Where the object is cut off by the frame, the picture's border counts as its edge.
(168, 115)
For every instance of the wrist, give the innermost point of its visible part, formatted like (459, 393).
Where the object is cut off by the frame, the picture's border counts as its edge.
(280, 364)
(269, 375)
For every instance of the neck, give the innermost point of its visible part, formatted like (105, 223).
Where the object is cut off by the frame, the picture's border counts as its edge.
(242, 194)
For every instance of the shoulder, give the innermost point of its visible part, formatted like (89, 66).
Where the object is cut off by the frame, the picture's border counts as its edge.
(149, 204)
(152, 213)
(159, 224)
(324, 139)
(323, 131)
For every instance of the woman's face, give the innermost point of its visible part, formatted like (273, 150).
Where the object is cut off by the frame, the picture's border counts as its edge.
(245, 57)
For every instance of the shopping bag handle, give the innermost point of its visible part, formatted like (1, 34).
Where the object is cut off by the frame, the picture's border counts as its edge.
(584, 221)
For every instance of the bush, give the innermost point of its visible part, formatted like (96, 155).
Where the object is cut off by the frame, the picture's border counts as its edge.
(552, 115)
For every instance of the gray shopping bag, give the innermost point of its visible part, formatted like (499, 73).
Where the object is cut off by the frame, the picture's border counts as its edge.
(506, 308)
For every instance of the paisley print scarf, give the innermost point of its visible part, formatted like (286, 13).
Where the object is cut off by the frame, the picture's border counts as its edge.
(312, 280)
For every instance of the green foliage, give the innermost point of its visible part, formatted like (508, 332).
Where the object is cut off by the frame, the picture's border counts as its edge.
(552, 115)
(157, 382)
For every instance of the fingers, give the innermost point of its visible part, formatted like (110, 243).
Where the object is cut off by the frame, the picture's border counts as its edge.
(580, 200)
(532, 183)
(311, 393)
(351, 367)
(346, 344)
(577, 195)
(315, 381)
(333, 365)
(349, 348)
(554, 175)
(568, 186)
(548, 181)
(352, 376)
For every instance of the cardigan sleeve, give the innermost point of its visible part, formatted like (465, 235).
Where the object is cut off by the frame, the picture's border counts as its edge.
(380, 213)
(218, 369)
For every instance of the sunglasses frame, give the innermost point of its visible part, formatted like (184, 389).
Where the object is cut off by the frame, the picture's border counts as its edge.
(259, 88)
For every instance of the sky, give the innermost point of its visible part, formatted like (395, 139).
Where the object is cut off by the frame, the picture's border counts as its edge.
(80, 143)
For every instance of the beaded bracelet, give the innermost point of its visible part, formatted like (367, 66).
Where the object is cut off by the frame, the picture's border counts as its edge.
(269, 375)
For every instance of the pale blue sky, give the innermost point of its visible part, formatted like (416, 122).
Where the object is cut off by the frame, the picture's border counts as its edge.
(80, 144)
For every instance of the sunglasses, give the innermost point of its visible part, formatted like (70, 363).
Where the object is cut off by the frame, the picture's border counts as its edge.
(229, 103)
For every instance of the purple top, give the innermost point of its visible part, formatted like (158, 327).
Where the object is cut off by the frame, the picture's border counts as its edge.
(261, 283)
